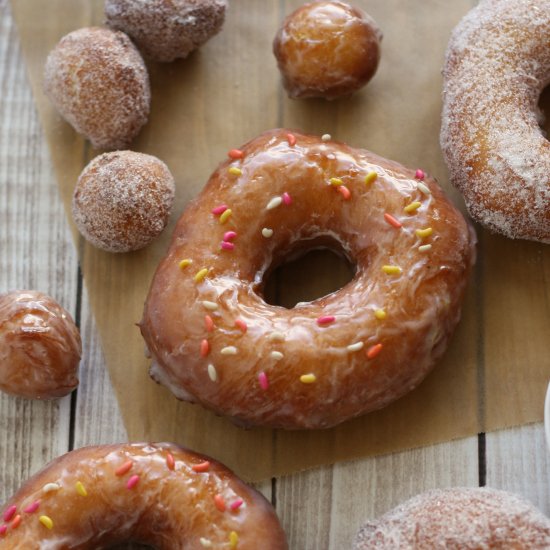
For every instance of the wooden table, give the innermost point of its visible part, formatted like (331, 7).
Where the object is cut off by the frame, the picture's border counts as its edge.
(319, 509)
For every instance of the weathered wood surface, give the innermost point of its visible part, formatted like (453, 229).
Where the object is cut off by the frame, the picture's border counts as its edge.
(320, 509)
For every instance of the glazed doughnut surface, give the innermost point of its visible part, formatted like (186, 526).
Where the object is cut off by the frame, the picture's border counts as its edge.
(156, 494)
(497, 64)
(458, 519)
(214, 340)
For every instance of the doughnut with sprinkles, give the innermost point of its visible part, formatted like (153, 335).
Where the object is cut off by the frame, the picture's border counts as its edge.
(215, 341)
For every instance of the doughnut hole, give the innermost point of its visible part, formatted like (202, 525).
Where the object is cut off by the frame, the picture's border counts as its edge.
(544, 107)
(122, 200)
(308, 272)
(327, 49)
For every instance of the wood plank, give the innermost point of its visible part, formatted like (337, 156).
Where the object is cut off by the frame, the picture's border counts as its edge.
(323, 509)
(35, 252)
(518, 460)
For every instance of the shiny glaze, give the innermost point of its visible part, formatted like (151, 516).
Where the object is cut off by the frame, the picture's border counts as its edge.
(40, 346)
(327, 49)
(170, 509)
(422, 304)
(497, 64)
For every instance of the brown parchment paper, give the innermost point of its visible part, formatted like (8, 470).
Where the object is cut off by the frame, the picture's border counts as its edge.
(495, 372)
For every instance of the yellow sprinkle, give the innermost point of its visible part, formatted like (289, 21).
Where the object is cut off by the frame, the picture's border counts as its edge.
(380, 314)
(184, 263)
(226, 215)
(412, 207)
(423, 188)
(370, 178)
(46, 521)
(80, 489)
(308, 378)
(234, 171)
(424, 248)
(211, 306)
(392, 269)
(233, 539)
(423, 233)
(200, 275)
(336, 181)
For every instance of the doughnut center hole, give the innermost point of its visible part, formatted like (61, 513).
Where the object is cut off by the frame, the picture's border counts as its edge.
(544, 106)
(306, 275)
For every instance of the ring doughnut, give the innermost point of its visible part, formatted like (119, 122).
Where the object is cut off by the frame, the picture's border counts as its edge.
(214, 340)
(156, 494)
(327, 49)
(459, 519)
(40, 346)
(497, 64)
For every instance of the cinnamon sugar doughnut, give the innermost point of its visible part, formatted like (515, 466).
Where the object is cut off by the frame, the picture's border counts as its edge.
(497, 64)
(122, 200)
(458, 519)
(327, 49)
(40, 346)
(215, 341)
(98, 82)
(156, 494)
(165, 30)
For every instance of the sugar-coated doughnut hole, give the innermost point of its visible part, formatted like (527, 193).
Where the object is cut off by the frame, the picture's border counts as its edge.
(123, 200)
(98, 82)
(163, 30)
(327, 49)
(40, 346)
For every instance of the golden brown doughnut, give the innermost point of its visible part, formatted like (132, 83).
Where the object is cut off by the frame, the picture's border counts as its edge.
(156, 494)
(327, 49)
(40, 346)
(165, 30)
(98, 82)
(497, 64)
(122, 200)
(458, 519)
(215, 341)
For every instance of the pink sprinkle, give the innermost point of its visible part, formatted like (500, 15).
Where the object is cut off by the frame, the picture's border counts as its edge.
(235, 154)
(31, 508)
(287, 199)
(227, 246)
(132, 482)
(291, 139)
(229, 236)
(344, 191)
(262, 379)
(219, 210)
(241, 325)
(208, 323)
(3, 530)
(236, 504)
(419, 174)
(326, 320)
(10, 512)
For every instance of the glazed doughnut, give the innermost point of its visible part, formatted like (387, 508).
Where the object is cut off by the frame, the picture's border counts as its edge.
(497, 64)
(40, 346)
(163, 30)
(214, 340)
(155, 494)
(98, 82)
(122, 200)
(327, 49)
(458, 519)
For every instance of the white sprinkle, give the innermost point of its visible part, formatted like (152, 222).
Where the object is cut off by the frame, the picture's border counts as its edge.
(205, 543)
(423, 188)
(277, 337)
(277, 355)
(212, 306)
(51, 487)
(266, 232)
(326, 137)
(274, 202)
(355, 347)
(212, 372)
(229, 350)
(424, 248)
